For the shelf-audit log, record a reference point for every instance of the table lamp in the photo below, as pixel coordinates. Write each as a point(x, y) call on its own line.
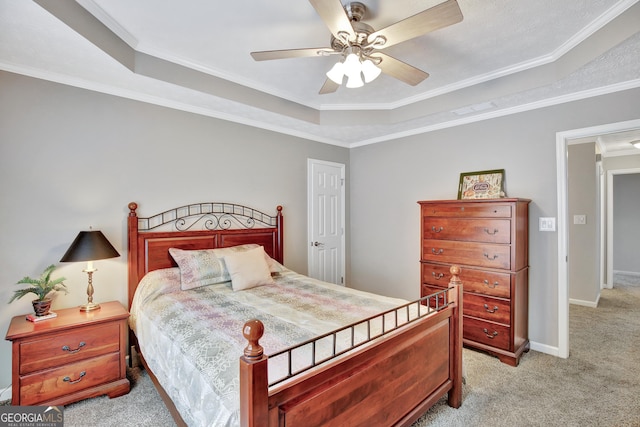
point(90, 246)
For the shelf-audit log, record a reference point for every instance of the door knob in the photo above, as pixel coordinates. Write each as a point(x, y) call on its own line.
point(318, 244)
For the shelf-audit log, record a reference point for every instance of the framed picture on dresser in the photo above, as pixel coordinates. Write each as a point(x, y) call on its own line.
point(487, 184)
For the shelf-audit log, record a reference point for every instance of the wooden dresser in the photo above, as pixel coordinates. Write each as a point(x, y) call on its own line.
point(489, 240)
point(74, 356)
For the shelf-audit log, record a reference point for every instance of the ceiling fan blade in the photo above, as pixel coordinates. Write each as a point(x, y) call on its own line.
point(329, 86)
point(334, 16)
point(267, 55)
point(440, 16)
point(400, 70)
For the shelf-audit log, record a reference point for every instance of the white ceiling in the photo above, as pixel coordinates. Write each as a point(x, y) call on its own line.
point(505, 56)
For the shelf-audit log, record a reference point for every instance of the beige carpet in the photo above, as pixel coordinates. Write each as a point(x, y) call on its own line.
point(598, 385)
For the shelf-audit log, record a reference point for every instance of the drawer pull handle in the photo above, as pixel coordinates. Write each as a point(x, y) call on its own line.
point(490, 258)
point(438, 252)
point(492, 286)
point(67, 348)
point(495, 231)
point(437, 276)
point(495, 308)
point(70, 381)
point(492, 336)
point(436, 230)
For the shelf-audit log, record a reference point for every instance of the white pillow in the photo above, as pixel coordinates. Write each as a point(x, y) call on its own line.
point(248, 269)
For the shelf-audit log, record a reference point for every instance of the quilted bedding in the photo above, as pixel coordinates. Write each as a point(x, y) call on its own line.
point(192, 339)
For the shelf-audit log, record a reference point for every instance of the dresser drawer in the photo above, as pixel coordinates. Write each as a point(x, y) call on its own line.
point(66, 347)
point(472, 230)
point(492, 334)
point(477, 254)
point(492, 309)
point(473, 280)
point(50, 384)
point(467, 210)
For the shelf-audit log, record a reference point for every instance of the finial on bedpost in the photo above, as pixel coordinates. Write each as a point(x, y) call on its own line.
point(132, 208)
point(252, 331)
point(455, 275)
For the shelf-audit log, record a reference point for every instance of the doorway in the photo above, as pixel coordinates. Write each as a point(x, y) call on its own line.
point(326, 218)
point(562, 142)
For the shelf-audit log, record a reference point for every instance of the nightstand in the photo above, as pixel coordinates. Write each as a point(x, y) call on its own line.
point(74, 356)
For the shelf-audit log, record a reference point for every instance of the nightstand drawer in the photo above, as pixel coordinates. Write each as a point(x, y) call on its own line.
point(50, 384)
point(488, 333)
point(471, 230)
point(77, 344)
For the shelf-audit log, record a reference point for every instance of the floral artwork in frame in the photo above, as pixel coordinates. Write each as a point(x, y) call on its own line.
point(481, 185)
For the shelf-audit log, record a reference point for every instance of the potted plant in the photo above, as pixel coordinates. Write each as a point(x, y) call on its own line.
point(42, 287)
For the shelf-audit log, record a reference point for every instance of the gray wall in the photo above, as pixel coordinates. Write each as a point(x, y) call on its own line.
point(387, 179)
point(584, 241)
point(72, 158)
point(626, 223)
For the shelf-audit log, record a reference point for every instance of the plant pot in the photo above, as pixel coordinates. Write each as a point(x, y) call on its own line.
point(41, 308)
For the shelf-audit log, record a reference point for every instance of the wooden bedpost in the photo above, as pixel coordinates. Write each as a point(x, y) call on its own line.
point(280, 243)
point(254, 385)
point(132, 233)
point(455, 363)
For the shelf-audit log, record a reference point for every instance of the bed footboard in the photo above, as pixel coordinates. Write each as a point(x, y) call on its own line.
point(392, 380)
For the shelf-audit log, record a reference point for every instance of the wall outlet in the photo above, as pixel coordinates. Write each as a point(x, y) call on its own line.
point(580, 219)
point(547, 224)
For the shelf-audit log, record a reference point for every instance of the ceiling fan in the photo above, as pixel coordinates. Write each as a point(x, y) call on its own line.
point(361, 45)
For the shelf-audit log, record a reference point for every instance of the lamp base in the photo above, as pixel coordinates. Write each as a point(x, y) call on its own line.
point(90, 306)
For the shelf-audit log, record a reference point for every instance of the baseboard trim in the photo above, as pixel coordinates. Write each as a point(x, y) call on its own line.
point(626, 273)
point(592, 304)
point(544, 348)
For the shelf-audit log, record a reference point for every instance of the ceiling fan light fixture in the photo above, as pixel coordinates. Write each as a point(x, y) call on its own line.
point(636, 144)
point(336, 73)
point(370, 71)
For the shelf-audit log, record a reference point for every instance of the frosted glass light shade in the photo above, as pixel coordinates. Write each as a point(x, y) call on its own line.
point(370, 70)
point(352, 65)
point(336, 73)
point(354, 81)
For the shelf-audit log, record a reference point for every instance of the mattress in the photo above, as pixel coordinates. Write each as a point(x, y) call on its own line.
point(192, 339)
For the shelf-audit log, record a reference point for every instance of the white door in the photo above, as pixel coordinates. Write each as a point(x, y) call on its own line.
point(326, 212)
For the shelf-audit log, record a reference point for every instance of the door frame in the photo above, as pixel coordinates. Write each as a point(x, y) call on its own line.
point(610, 175)
point(342, 214)
point(562, 142)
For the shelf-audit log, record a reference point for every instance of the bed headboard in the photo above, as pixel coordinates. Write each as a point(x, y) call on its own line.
point(197, 226)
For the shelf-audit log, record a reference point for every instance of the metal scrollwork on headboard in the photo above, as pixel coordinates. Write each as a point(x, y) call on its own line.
point(208, 216)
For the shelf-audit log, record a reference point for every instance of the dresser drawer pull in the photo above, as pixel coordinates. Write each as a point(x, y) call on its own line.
point(82, 374)
point(67, 348)
point(436, 230)
point(495, 231)
point(492, 336)
point(437, 276)
point(489, 285)
point(438, 252)
point(486, 255)
point(495, 308)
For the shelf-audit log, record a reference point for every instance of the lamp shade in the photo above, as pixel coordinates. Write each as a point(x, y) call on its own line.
point(89, 246)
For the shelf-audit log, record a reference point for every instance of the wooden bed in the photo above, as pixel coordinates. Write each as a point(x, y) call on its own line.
point(391, 380)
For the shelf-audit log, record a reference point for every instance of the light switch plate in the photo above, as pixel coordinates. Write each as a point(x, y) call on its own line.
point(580, 219)
point(547, 224)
